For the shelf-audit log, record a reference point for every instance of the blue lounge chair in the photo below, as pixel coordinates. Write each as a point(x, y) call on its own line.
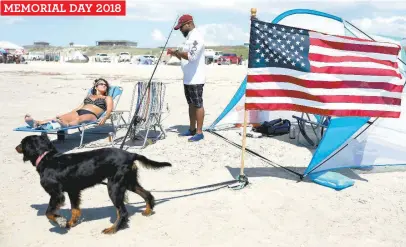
point(115, 92)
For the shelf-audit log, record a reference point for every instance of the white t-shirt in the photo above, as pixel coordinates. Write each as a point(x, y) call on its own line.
point(194, 69)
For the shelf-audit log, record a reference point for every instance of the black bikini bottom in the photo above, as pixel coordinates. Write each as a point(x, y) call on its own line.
point(83, 112)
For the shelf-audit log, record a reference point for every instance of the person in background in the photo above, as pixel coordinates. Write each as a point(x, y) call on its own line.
point(194, 74)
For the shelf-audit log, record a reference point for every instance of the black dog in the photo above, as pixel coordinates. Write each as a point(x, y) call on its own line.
point(74, 172)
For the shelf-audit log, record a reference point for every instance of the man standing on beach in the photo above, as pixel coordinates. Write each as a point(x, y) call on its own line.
point(194, 74)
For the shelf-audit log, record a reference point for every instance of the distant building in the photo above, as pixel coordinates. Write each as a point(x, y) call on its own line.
point(71, 44)
point(116, 43)
point(41, 44)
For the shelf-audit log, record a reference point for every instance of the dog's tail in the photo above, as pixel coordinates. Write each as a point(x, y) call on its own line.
point(149, 163)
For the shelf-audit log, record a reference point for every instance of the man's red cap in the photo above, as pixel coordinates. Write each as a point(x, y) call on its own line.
point(182, 20)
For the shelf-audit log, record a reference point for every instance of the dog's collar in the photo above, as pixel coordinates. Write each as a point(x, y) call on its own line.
point(40, 158)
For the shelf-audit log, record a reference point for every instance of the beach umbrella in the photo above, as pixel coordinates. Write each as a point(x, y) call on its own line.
point(9, 45)
point(19, 52)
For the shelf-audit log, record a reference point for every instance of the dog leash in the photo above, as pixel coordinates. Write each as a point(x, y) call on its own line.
point(220, 185)
point(198, 188)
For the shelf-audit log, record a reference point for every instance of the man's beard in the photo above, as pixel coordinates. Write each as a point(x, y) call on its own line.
point(185, 33)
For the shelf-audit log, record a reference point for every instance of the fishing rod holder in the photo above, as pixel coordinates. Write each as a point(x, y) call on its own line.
point(147, 108)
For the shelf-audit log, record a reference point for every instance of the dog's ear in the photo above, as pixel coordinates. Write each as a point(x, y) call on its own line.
point(45, 137)
point(50, 146)
point(46, 140)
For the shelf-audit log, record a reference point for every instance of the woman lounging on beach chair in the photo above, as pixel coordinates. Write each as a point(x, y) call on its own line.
point(94, 105)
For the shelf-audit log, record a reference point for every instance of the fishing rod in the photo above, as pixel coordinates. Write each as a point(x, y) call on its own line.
point(134, 119)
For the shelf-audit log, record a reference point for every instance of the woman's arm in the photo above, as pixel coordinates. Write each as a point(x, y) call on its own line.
point(110, 103)
point(79, 107)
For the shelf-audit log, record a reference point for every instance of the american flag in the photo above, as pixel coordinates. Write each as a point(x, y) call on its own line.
point(301, 70)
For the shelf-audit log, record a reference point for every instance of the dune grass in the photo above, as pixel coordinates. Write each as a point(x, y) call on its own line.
point(93, 50)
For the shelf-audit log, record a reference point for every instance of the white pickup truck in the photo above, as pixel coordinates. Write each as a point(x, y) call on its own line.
point(124, 57)
point(102, 58)
point(36, 56)
point(212, 55)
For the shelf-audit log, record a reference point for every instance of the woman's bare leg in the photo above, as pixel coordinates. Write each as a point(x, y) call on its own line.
point(63, 120)
point(76, 120)
point(34, 123)
point(81, 119)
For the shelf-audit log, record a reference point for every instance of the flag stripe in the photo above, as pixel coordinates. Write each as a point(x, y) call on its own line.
point(323, 98)
point(325, 112)
point(323, 77)
point(354, 65)
point(253, 79)
point(320, 105)
point(322, 91)
point(337, 59)
point(354, 47)
point(340, 53)
point(350, 40)
point(354, 71)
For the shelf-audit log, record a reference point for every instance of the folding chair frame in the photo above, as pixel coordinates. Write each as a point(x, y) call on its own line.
point(317, 128)
point(152, 118)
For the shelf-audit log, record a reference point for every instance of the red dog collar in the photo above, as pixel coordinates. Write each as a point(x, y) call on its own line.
point(40, 158)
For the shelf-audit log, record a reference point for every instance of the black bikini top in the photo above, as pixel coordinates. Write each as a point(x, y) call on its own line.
point(97, 102)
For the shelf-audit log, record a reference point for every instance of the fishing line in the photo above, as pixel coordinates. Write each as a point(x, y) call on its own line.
point(134, 119)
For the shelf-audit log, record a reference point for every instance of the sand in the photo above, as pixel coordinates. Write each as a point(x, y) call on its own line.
point(274, 210)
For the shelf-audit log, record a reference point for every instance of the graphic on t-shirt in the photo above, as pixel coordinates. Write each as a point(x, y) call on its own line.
point(194, 48)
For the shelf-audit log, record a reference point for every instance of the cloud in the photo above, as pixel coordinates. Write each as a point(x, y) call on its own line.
point(215, 35)
point(157, 35)
point(166, 10)
point(389, 5)
point(372, 16)
point(11, 20)
point(392, 26)
point(223, 34)
point(148, 11)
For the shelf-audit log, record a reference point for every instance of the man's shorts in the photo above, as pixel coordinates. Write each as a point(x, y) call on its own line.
point(194, 94)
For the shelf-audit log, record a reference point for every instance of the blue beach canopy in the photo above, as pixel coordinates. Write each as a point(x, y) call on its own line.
point(349, 142)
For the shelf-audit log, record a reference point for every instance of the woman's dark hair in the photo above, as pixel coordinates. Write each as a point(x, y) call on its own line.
point(95, 85)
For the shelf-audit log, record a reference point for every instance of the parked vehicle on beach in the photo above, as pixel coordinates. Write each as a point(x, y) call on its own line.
point(217, 55)
point(145, 59)
point(102, 58)
point(36, 56)
point(124, 57)
point(209, 55)
point(228, 58)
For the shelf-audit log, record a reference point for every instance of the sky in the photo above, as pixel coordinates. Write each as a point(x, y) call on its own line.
point(222, 22)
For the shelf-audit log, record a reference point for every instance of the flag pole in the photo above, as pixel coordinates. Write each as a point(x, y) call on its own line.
point(242, 179)
point(244, 137)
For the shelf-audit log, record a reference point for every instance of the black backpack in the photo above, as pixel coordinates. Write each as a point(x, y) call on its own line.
point(275, 127)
